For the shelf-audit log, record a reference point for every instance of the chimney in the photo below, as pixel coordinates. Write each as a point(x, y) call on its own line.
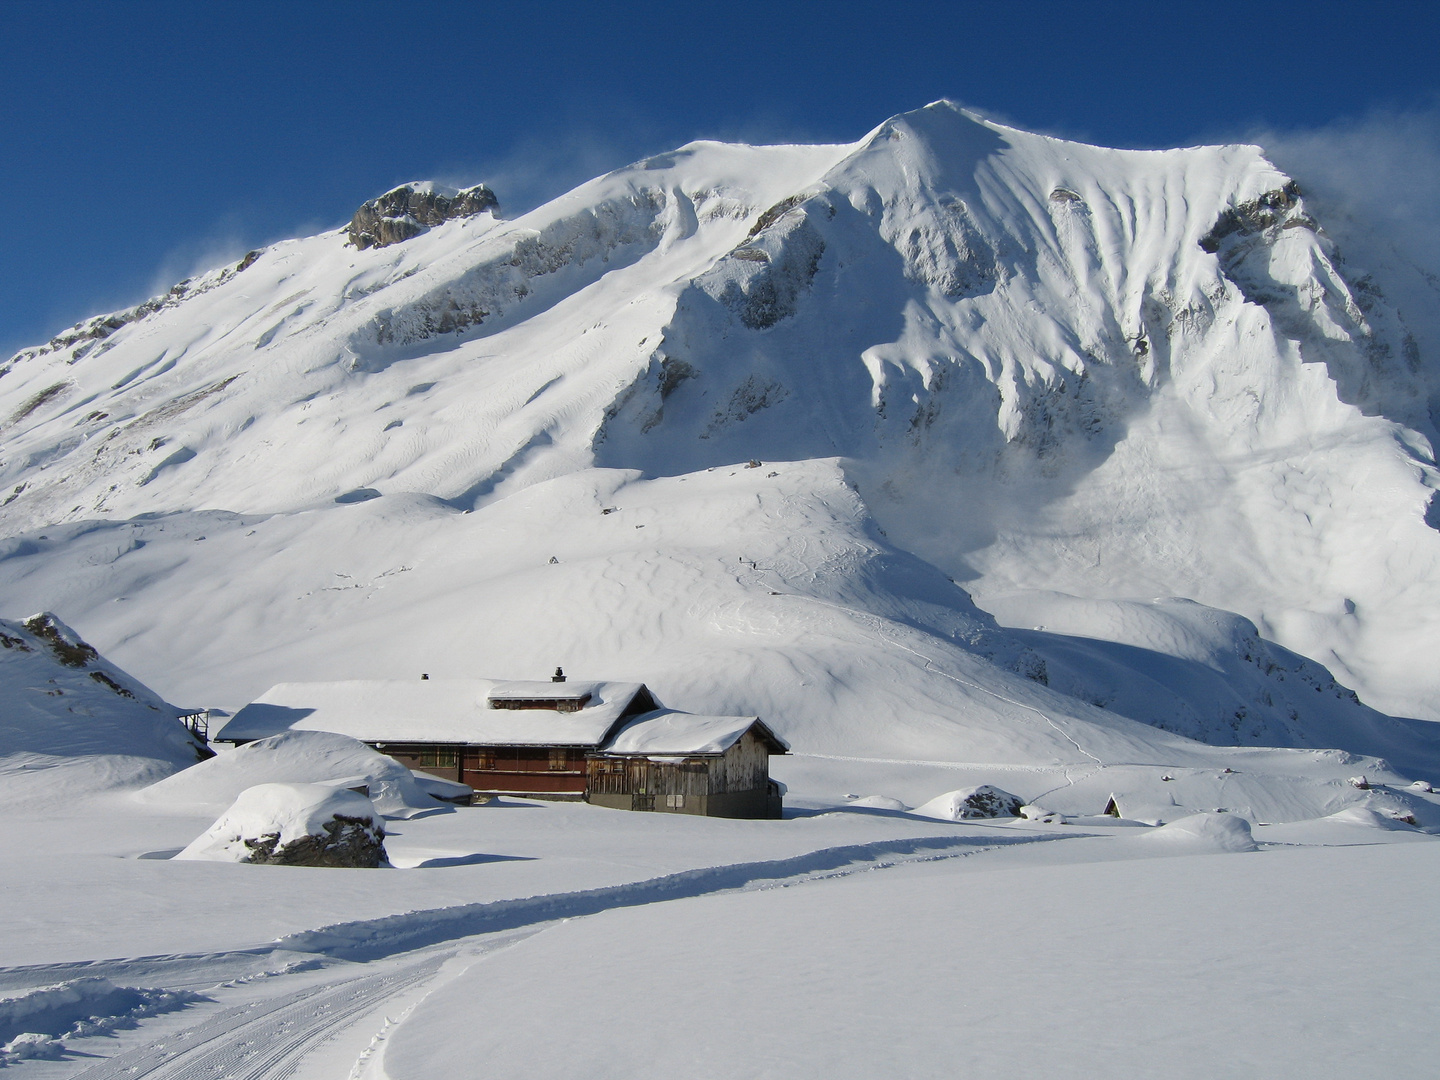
point(424, 677)
point(559, 675)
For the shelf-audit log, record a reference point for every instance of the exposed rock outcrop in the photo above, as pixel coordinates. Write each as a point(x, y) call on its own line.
point(985, 801)
point(762, 280)
point(295, 825)
point(410, 209)
point(343, 841)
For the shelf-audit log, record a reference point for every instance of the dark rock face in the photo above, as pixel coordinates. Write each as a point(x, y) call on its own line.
point(346, 841)
point(408, 211)
point(990, 802)
point(1270, 211)
point(68, 648)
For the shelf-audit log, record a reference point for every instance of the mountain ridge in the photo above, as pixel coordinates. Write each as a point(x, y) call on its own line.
point(1018, 352)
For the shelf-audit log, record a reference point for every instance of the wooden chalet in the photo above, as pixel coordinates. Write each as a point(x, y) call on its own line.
point(609, 743)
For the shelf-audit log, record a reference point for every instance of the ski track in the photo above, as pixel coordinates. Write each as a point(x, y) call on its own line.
point(268, 1038)
point(263, 1038)
point(372, 939)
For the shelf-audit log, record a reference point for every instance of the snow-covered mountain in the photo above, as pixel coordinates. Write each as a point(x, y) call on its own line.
point(753, 424)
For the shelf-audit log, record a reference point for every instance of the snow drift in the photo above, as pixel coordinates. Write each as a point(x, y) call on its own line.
point(81, 1007)
point(1218, 833)
point(296, 757)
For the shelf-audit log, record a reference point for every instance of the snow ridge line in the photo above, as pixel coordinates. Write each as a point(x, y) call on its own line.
point(373, 939)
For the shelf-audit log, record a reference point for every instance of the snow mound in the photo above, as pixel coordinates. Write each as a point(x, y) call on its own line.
point(295, 825)
point(984, 801)
point(80, 1007)
point(879, 802)
point(1204, 833)
point(450, 791)
point(64, 704)
point(1039, 813)
point(1366, 818)
point(296, 757)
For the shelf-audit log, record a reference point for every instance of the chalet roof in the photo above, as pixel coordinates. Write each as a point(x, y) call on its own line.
point(665, 733)
point(542, 691)
point(430, 711)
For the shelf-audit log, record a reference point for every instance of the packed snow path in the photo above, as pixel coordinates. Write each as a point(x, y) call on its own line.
point(264, 1038)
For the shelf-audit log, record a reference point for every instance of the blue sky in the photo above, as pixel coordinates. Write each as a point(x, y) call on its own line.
point(141, 141)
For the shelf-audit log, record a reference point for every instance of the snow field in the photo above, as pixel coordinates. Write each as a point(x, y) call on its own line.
point(1284, 963)
point(517, 873)
point(745, 593)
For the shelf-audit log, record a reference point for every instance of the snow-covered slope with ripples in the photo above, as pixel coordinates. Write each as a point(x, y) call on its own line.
point(1070, 379)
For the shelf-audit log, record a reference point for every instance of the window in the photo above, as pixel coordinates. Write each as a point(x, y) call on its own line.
point(559, 760)
point(675, 802)
point(435, 758)
point(486, 762)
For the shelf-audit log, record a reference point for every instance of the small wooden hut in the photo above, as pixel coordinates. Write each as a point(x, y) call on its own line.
point(680, 763)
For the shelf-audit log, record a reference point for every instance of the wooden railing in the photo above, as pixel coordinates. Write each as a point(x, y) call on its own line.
point(197, 723)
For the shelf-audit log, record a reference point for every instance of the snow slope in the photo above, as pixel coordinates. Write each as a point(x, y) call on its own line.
point(1056, 374)
point(71, 722)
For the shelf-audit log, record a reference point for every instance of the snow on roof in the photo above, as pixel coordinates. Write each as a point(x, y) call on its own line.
point(428, 711)
point(543, 691)
point(666, 733)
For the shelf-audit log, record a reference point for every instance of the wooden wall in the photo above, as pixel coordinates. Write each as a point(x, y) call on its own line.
point(433, 758)
point(745, 767)
point(541, 769)
point(726, 784)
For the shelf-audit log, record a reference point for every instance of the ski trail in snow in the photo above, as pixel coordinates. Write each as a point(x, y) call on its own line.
point(370, 939)
point(262, 1038)
point(390, 935)
point(930, 666)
